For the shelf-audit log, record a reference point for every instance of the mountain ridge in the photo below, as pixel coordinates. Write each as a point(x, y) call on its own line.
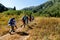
point(3, 8)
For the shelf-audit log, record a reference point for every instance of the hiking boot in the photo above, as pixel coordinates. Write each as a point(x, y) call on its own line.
point(13, 31)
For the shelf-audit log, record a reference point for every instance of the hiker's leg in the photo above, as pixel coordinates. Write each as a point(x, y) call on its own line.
point(27, 21)
point(16, 26)
point(30, 19)
point(10, 30)
point(24, 23)
point(13, 29)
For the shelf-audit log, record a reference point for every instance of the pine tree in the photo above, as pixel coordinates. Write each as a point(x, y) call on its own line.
point(14, 8)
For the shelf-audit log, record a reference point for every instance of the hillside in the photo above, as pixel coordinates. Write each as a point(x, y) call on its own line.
point(49, 9)
point(40, 7)
point(3, 8)
point(42, 28)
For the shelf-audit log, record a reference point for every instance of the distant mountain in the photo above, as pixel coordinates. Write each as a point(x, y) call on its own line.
point(3, 8)
point(40, 7)
point(50, 8)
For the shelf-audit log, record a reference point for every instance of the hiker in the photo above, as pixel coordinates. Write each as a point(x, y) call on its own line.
point(12, 23)
point(25, 20)
point(31, 18)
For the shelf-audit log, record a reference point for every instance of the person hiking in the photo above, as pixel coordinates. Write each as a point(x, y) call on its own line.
point(12, 23)
point(31, 17)
point(25, 20)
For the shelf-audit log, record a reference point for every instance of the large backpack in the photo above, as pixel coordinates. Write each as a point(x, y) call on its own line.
point(24, 18)
point(32, 17)
point(11, 21)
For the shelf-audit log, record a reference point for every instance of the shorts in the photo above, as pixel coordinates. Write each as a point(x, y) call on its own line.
point(12, 24)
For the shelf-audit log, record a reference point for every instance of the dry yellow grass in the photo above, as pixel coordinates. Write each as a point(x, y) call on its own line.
point(43, 28)
point(4, 28)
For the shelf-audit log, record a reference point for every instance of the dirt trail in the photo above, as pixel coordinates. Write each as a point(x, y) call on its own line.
point(16, 36)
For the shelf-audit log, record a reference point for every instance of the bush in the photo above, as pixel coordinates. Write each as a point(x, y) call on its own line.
point(12, 12)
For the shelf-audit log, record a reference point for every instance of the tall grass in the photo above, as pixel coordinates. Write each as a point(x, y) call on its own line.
point(45, 29)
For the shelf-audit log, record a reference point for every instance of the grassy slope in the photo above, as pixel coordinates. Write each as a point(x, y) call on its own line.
point(44, 28)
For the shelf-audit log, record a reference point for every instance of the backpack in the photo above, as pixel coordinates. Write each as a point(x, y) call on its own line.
point(10, 21)
point(24, 18)
point(32, 17)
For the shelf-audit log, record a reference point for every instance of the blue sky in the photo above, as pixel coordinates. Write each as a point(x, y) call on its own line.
point(20, 4)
